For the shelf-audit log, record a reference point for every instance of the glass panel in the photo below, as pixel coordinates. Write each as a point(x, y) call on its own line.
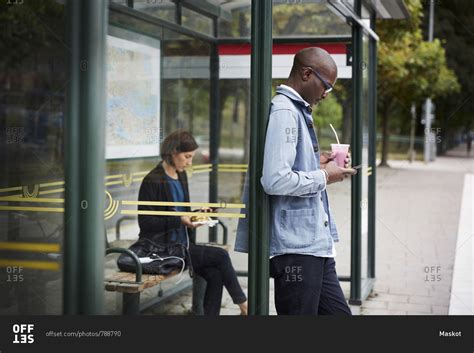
point(313, 19)
point(365, 151)
point(157, 82)
point(234, 152)
point(186, 106)
point(33, 82)
point(164, 9)
point(239, 27)
point(298, 18)
point(196, 21)
point(120, 2)
point(337, 110)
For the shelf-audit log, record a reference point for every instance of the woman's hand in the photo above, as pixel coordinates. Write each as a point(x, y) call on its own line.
point(206, 209)
point(186, 221)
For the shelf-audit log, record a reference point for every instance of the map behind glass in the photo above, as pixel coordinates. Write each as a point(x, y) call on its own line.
point(133, 99)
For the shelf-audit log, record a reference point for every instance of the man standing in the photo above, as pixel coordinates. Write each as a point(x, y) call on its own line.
point(295, 176)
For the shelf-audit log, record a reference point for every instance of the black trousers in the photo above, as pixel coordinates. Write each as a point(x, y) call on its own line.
point(214, 265)
point(307, 285)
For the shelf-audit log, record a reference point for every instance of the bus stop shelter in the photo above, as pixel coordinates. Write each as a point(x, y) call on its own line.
point(137, 70)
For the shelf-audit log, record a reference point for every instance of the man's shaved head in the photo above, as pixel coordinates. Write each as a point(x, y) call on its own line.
point(315, 57)
point(301, 78)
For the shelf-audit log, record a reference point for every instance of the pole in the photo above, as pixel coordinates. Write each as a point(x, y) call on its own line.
point(214, 131)
point(260, 96)
point(356, 146)
point(85, 152)
point(371, 255)
point(411, 151)
point(428, 103)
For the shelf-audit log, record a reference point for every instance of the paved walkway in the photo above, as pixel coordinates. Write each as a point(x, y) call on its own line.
point(418, 212)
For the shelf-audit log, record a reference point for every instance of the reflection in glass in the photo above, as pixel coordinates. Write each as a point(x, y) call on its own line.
point(312, 19)
point(196, 21)
point(33, 81)
point(164, 9)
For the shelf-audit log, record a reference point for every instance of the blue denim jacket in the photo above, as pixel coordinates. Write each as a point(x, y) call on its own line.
point(294, 182)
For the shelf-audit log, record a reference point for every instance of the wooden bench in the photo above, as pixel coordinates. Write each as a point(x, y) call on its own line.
point(131, 285)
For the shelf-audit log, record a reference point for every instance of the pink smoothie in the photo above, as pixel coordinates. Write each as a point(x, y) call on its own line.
point(341, 151)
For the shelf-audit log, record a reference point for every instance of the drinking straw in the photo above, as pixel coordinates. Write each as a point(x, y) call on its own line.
point(335, 133)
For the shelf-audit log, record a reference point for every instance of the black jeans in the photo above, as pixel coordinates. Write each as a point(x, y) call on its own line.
point(307, 285)
point(214, 265)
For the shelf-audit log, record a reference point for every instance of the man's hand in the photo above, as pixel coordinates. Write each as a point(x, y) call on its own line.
point(348, 161)
point(336, 173)
point(325, 157)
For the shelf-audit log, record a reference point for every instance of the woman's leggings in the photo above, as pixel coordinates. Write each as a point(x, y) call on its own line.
point(214, 265)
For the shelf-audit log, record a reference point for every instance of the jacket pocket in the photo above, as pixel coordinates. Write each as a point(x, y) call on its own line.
point(298, 228)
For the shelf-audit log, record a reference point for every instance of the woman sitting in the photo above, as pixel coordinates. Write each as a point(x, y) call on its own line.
point(168, 182)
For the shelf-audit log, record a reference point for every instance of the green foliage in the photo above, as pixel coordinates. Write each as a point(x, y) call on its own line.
point(454, 25)
point(328, 112)
point(410, 69)
point(19, 41)
point(306, 19)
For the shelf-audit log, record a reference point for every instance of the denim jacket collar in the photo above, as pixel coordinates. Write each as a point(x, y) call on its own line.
point(291, 93)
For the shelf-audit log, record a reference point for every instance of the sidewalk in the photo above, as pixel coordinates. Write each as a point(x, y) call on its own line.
point(418, 212)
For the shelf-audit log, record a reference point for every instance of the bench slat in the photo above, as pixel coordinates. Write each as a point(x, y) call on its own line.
point(115, 283)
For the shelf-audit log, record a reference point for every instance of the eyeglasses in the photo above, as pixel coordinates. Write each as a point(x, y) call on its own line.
point(328, 87)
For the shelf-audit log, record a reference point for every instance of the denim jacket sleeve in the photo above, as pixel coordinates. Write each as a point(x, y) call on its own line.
point(278, 176)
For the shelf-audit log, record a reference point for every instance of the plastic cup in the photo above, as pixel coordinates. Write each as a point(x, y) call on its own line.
point(341, 151)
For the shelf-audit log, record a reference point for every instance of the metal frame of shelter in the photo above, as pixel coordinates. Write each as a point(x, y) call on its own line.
point(85, 143)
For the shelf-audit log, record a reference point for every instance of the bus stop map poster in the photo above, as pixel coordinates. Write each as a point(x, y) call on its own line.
point(133, 95)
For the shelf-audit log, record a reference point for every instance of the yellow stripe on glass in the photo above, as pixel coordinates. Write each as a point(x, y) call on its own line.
point(171, 213)
point(34, 247)
point(37, 265)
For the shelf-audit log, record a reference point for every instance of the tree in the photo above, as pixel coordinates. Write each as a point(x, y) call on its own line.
point(409, 68)
point(454, 25)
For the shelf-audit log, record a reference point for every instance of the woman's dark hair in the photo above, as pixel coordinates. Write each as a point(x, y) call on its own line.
point(177, 142)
